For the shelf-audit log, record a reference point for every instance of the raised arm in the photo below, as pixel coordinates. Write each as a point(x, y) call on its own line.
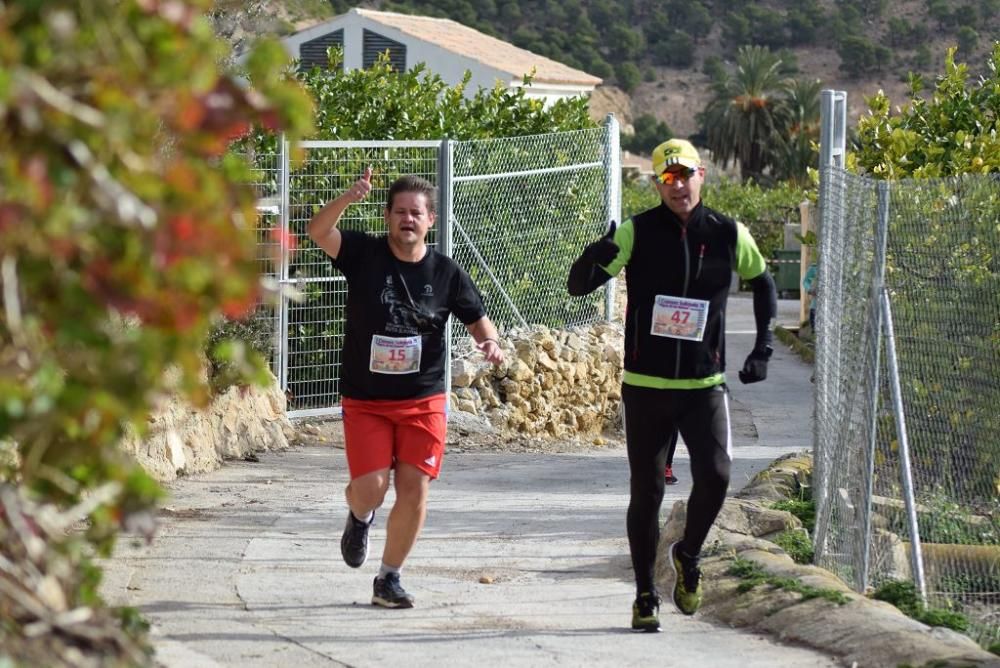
point(322, 228)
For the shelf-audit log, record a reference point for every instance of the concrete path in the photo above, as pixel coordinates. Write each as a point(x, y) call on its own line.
point(523, 561)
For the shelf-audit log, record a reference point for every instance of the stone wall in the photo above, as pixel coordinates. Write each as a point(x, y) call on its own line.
point(184, 440)
point(553, 383)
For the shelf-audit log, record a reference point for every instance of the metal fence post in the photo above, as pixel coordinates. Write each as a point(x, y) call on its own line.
point(833, 139)
point(282, 306)
point(906, 472)
point(881, 236)
point(446, 205)
point(613, 158)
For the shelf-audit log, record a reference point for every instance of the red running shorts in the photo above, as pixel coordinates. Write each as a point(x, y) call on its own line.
point(378, 433)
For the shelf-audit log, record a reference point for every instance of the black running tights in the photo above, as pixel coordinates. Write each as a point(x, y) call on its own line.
point(702, 417)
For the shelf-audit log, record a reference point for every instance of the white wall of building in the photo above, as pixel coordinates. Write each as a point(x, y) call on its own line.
point(451, 67)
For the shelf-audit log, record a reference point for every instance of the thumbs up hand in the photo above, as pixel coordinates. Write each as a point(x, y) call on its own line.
point(361, 187)
point(604, 250)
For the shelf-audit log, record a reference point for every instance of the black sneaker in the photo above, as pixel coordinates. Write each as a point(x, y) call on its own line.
point(388, 593)
point(669, 477)
point(646, 613)
point(354, 542)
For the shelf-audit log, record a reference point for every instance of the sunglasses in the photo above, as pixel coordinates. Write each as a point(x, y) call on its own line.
point(668, 178)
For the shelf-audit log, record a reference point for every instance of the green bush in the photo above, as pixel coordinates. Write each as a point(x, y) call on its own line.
point(954, 130)
point(943, 236)
point(904, 596)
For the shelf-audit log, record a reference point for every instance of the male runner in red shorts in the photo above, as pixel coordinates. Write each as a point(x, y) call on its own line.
point(400, 295)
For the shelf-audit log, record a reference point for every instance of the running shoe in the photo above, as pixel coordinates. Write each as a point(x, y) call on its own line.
point(354, 542)
point(687, 580)
point(669, 476)
point(646, 613)
point(387, 592)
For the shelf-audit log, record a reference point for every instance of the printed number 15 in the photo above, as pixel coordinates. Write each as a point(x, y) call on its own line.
point(397, 355)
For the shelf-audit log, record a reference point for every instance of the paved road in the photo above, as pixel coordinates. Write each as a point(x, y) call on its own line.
point(523, 561)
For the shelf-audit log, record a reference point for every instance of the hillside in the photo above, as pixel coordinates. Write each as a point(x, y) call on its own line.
point(658, 53)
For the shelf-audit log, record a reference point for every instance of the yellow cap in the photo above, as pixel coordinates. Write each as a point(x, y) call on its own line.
point(675, 152)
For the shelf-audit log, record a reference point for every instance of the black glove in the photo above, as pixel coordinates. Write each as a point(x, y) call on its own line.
point(755, 368)
point(604, 250)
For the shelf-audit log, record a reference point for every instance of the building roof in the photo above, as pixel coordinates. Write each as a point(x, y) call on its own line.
point(478, 46)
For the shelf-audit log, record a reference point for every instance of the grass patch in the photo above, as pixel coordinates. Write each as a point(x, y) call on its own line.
point(801, 348)
point(804, 509)
point(797, 544)
point(753, 575)
point(904, 596)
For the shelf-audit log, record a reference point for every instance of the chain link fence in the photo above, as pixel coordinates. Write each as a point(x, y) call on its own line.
point(908, 389)
point(522, 210)
point(513, 212)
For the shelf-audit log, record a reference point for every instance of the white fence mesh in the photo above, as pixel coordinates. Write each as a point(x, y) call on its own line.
point(933, 248)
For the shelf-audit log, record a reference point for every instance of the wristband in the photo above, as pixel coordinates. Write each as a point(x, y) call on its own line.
point(493, 340)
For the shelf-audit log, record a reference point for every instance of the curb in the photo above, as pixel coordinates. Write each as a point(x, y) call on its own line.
point(858, 630)
point(804, 351)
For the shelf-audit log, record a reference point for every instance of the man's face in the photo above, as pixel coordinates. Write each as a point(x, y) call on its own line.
point(409, 218)
point(680, 189)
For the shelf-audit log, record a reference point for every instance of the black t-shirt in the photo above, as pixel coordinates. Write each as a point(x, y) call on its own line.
point(389, 304)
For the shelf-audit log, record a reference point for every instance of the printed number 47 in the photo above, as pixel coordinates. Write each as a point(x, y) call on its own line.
point(681, 317)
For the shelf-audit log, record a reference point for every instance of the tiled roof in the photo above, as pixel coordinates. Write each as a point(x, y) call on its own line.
point(482, 48)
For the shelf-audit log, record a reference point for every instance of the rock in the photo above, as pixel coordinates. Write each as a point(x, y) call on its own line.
point(463, 373)
point(547, 362)
point(466, 394)
point(546, 373)
point(519, 370)
point(183, 440)
point(526, 352)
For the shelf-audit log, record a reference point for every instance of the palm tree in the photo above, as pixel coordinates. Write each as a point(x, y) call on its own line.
point(740, 121)
point(797, 125)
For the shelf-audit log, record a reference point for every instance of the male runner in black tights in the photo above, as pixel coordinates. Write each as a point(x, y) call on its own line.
point(678, 259)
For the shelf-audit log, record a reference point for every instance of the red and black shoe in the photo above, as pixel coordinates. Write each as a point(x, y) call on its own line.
point(669, 477)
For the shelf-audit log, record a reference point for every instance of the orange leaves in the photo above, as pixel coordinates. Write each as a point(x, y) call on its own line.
point(182, 227)
point(237, 308)
point(181, 177)
point(189, 113)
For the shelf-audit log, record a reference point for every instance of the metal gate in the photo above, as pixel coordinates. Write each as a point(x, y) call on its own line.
point(504, 205)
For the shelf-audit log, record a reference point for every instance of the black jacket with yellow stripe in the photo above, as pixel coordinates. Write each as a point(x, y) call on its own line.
point(664, 256)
